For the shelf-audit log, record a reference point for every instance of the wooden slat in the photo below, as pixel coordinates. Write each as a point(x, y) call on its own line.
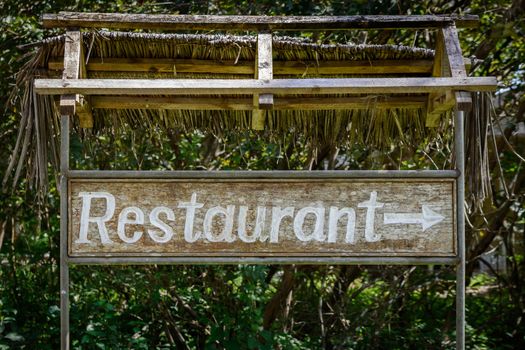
point(265, 66)
point(434, 99)
point(333, 103)
point(245, 103)
point(75, 68)
point(453, 55)
point(251, 23)
point(72, 59)
point(368, 67)
point(263, 71)
point(161, 65)
point(84, 112)
point(456, 65)
point(251, 86)
point(450, 64)
point(83, 107)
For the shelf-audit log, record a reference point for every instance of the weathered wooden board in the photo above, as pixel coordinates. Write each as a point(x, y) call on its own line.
point(247, 23)
point(255, 86)
point(262, 217)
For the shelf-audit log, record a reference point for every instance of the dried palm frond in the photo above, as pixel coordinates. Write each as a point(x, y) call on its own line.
point(38, 138)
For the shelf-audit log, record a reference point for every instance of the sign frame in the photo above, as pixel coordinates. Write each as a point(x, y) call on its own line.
point(458, 261)
point(272, 177)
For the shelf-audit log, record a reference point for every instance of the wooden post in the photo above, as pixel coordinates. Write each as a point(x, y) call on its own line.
point(263, 71)
point(448, 62)
point(72, 58)
point(75, 68)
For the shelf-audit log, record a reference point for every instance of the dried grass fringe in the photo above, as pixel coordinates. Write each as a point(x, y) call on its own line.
point(37, 144)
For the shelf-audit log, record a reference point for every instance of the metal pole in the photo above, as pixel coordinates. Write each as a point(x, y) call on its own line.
point(460, 268)
point(64, 265)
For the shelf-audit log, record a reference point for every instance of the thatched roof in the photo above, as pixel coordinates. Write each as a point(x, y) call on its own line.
point(375, 127)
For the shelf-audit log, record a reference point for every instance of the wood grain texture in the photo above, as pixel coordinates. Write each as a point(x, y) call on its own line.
point(246, 104)
point(72, 66)
point(305, 67)
point(254, 86)
point(253, 23)
point(392, 235)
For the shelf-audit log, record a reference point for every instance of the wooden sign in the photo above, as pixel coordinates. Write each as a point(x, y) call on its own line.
point(262, 217)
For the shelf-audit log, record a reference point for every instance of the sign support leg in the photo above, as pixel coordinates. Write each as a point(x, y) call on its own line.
point(460, 268)
point(64, 264)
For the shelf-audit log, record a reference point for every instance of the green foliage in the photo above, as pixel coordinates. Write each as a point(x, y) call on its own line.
point(216, 307)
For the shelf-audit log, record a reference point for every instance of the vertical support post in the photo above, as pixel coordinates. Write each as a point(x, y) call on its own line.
point(460, 268)
point(263, 71)
point(68, 104)
point(64, 264)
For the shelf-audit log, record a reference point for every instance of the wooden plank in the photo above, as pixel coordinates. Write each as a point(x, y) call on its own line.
point(371, 67)
point(246, 104)
point(456, 65)
point(265, 67)
point(449, 62)
point(170, 66)
point(173, 103)
point(84, 112)
point(262, 217)
point(251, 86)
point(250, 23)
point(83, 107)
point(71, 104)
point(162, 65)
point(338, 103)
point(452, 51)
point(263, 71)
point(72, 59)
point(437, 98)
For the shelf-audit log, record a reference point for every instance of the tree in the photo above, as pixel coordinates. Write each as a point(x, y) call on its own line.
point(270, 306)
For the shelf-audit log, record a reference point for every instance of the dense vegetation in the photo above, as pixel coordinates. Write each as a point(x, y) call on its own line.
point(268, 307)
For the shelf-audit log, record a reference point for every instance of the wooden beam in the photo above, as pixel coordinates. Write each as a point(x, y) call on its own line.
point(245, 103)
point(72, 64)
point(436, 99)
point(264, 72)
point(265, 66)
point(252, 86)
point(452, 51)
point(75, 68)
point(161, 65)
point(332, 103)
point(368, 67)
point(250, 23)
point(457, 66)
point(449, 62)
point(82, 106)
point(84, 112)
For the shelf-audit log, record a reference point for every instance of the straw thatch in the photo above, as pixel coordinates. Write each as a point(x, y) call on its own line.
point(38, 141)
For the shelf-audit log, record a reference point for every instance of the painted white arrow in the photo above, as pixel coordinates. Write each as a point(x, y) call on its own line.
point(427, 218)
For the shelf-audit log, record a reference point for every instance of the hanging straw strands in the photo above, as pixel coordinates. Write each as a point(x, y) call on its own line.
point(379, 127)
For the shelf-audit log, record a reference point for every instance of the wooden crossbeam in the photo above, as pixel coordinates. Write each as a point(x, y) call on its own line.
point(252, 86)
point(161, 65)
point(250, 23)
point(246, 103)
